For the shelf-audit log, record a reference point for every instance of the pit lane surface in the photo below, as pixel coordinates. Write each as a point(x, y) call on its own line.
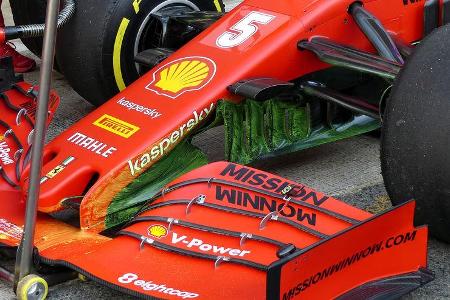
point(347, 169)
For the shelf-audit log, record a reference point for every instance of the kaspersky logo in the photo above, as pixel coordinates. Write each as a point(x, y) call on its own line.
point(182, 75)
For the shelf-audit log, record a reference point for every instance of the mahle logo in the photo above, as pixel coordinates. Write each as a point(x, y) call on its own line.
point(182, 75)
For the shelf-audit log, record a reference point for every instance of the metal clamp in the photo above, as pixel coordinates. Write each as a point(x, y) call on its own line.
point(145, 240)
point(219, 260)
point(171, 221)
point(164, 191)
point(30, 137)
point(8, 132)
point(32, 92)
point(270, 216)
point(19, 115)
point(275, 214)
point(200, 199)
point(244, 238)
point(18, 154)
point(210, 180)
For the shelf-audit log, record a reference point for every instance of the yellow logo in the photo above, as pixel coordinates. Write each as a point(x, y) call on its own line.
point(182, 75)
point(116, 126)
point(58, 169)
point(157, 231)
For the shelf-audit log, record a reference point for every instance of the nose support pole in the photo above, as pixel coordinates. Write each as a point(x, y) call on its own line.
point(24, 262)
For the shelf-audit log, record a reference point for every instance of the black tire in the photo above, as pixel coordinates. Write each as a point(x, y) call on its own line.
point(415, 144)
point(29, 12)
point(94, 56)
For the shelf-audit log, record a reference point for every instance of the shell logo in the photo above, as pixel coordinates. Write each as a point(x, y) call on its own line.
point(182, 75)
point(157, 231)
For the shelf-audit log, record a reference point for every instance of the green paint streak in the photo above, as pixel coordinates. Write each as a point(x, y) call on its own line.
point(179, 161)
point(253, 130)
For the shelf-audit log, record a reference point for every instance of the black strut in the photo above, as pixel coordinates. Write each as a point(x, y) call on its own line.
point(376, 33)
point(352, 103)
point(349, 58)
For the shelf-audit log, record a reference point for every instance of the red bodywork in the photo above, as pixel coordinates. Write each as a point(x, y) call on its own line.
point(337, 247)
point(270, 52)
point(128, 134)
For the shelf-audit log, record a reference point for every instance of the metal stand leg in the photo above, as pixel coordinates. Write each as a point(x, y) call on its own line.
point(24, 260)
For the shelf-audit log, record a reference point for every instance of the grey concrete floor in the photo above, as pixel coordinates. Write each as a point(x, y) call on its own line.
point(347, 169)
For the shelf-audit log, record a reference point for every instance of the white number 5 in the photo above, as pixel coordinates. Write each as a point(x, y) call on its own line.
point(246, 28)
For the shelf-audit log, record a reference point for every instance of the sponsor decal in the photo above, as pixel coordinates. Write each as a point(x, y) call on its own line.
point(138, 164)
point(92, 144)
point(150, 112)
point(31, 106)
point(157, 231)
point(131, 278)
point(5, 155)
point(243, 30)
point(116, 126)
point(347, 262)
point(58, 169)
point(182, 75)
point(9, 230)
point(200, 245)
point(276, 185)
point(246, 200)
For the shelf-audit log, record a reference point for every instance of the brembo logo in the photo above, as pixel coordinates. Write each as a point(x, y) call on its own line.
point(182, 75)
point(116, 126)
point(5, 152)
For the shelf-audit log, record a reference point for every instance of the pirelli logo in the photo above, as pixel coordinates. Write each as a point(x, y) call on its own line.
point(116, 126)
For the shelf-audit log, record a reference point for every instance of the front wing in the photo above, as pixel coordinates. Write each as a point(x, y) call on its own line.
point(229, 231)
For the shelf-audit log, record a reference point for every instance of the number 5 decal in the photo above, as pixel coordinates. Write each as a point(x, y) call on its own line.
point(245, 28)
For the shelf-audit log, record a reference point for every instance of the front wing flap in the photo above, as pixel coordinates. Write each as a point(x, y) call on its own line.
point(229, 231)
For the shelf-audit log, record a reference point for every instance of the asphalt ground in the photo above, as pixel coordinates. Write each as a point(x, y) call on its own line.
point(349, 170)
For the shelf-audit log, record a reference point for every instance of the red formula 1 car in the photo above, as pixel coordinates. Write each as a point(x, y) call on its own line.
point(155, 220)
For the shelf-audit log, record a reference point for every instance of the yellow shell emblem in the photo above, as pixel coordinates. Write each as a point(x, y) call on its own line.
point(157, 231)
point(182, 75)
